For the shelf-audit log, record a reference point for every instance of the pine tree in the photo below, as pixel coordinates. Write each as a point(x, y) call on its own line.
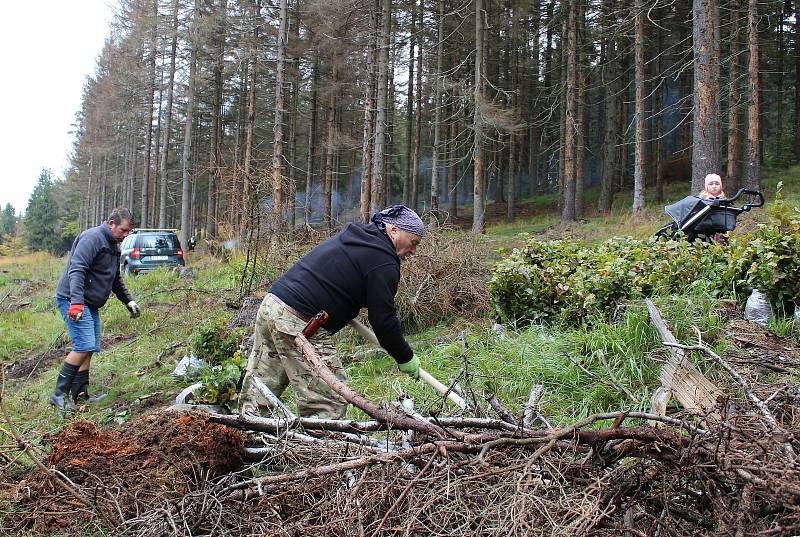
point(8, 222)
point(41, 227)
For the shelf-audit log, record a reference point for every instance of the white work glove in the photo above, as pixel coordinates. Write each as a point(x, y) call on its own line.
point(133, 307)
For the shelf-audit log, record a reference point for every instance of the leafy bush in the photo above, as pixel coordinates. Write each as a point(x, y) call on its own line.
point(219, 346)
point(773, 260)
point(574, 283)
point(221, 381)
point(214, 343)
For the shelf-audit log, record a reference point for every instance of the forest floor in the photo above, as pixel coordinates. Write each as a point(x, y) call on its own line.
point(145, 454)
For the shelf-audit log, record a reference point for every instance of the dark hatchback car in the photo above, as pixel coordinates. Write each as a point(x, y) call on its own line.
point(145, 250)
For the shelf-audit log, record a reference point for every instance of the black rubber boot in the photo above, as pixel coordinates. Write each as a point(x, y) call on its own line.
point(80, 389)
point(61, 396)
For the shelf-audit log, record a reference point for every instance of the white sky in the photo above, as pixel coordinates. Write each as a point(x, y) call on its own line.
point(48, 49)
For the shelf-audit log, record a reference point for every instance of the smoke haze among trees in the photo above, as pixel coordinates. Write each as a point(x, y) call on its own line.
point(218, 116)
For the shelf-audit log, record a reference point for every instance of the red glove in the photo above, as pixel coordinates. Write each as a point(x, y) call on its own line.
point(75, 312)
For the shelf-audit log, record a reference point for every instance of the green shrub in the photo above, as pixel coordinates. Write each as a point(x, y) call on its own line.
point(221, 381)
point(214, 343)
point(773, 262)
point(557, 281)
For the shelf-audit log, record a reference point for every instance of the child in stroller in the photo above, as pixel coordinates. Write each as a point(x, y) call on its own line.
point(700, 217)
point(712, 187)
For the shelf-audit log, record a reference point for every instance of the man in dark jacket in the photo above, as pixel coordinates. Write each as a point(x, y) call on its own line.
point(91, 274)
point(359, 267)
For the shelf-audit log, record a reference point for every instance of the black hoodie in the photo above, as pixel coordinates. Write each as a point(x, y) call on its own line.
point(356, 268)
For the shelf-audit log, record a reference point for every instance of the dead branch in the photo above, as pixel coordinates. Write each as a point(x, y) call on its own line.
point(693, 390)
point(762, 408)
point(399, 421)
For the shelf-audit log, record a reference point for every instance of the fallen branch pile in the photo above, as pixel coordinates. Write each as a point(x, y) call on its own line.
point(730, 471)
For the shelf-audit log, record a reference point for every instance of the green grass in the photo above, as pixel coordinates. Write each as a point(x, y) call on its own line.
point(583, 369)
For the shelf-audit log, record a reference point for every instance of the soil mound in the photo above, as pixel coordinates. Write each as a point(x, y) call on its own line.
point(155, 458)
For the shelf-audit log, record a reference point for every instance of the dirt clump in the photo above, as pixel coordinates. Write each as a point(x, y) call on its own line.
point(147, 461)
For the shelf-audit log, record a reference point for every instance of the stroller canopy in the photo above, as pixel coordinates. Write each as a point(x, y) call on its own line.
point(682, 210)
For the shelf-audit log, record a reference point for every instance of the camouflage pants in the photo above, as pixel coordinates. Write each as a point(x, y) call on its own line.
point(277, 362)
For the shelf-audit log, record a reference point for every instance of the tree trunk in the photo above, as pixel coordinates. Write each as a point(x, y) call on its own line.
point(368, 145)
point(148, 145)
point(452, 162)
point(638, 170)
point(437, 120)
point(417, 121)
point(753, 104)
point(215, 168)
point(312, 138)
point(162, 211)
point(705, 144)
point(534, 132)
point(580, 134)
point(409, 106)
point(330, 135)
point(248, 189)
point(797, 82)
point(511, 196)
point(609, 147)
point(277, 129)
point(380, 117)
point(568, 181)
point(478, 127)
point(733, 178)
point(186, 207)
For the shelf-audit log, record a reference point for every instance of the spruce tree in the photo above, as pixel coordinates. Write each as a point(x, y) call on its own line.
point(8, 222)
point(41, 224)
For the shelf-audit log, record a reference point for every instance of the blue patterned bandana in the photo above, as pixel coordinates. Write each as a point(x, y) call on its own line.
point(402, 217)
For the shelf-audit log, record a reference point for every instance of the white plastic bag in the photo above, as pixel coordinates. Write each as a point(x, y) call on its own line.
point(189, 366)
point(757, 309)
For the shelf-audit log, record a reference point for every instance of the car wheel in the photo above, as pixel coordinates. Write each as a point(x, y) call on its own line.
point(126, 271)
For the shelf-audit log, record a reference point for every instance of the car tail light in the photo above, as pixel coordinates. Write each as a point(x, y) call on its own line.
point(135, 254)
point(180, 253)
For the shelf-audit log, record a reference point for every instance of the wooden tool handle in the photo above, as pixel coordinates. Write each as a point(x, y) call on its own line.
point(369, 335)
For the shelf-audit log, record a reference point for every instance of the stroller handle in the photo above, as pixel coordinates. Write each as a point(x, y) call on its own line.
point(743, 191)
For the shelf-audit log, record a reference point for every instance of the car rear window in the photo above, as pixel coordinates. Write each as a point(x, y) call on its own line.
point(158, 241)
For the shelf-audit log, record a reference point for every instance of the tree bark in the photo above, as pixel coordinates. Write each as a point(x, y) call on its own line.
point(511, 195)
point(409, 106)
point(167, 124)
point(148, 145)
point(452, 162)
point(580, 133)
point(478, 127)
point(186, 206)
point(753, 104)
point(534, 132)
point(380, 117)
point(417, 122)
point(705, 144)
point(638, 173)
point(437, 120)
point(312, 138)
point(797, 82)
point(733, 178)
point(215, 168)
point(568, 180)
point(368, 145)
point(277, 129)
point(248, 188)
point(330, 135)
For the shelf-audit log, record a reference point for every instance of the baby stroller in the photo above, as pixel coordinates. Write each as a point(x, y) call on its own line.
point(699, 218)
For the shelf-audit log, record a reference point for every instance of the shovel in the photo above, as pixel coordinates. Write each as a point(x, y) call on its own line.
point(443, 390)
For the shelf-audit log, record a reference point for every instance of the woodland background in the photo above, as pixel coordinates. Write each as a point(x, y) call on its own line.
point(221, 117)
